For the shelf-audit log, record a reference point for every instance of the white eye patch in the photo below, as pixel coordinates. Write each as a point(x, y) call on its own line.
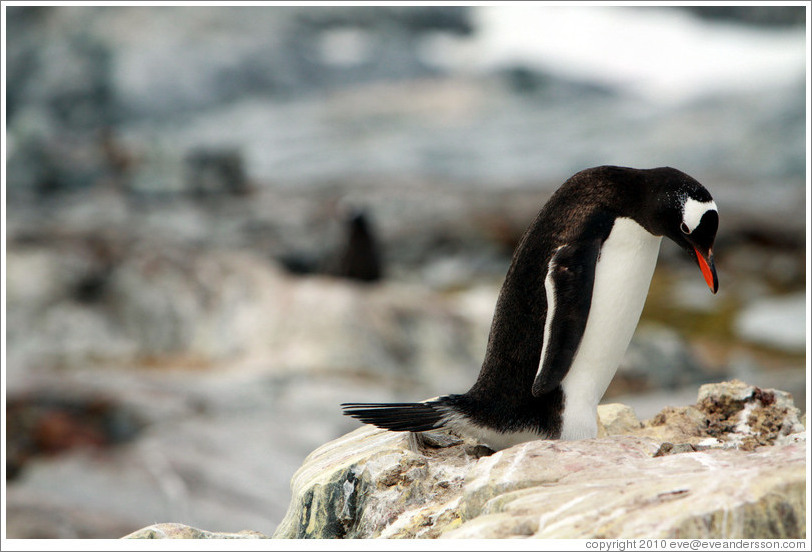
point(693, 211)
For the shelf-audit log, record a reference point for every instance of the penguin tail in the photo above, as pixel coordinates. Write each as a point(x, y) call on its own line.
point(422, 416)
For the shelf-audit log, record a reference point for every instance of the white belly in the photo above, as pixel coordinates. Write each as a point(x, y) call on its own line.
point(622, 278)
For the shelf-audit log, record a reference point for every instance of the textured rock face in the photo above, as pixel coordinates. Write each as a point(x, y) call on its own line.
point(700, 471)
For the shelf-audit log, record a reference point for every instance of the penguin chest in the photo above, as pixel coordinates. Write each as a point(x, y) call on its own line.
point(622, 278)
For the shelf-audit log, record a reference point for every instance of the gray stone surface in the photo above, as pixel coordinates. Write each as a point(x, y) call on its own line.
point(180, 531)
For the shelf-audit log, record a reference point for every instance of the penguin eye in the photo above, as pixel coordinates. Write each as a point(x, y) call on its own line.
point(684, 228)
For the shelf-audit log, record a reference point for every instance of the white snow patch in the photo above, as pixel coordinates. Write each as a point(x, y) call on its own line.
point(665, 55)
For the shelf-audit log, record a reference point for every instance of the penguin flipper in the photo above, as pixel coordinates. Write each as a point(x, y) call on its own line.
point(569, 282)
point(422, 416)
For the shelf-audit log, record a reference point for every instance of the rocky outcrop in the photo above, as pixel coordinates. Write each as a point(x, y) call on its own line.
point(728, 415)
point(730, 466)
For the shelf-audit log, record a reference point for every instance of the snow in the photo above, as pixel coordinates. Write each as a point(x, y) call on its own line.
point(661, 54)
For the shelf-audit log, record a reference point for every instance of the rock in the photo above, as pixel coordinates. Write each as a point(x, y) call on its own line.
point(766, 16)
point(172, 304)
point(614, 488)
point(38, 516)
point(215, 172)
point(337, 479)
point(671, 448)
point(175, 301)
point(373, 483)
point(731, 415)
point(180, 531)
point(776, 322)
point(525, 79)
point(616, 419)
point(44, 425)
point(258, 52)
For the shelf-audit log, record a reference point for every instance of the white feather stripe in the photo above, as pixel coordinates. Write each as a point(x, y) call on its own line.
point(549, 288)
point(693, 211)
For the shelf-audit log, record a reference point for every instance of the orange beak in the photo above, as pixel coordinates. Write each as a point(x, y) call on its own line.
point(708, 269)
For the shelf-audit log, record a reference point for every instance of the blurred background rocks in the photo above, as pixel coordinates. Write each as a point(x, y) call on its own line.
point(222, 222)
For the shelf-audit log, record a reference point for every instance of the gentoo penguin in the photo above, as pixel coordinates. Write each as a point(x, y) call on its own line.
point(360, 259)
point(568, 308)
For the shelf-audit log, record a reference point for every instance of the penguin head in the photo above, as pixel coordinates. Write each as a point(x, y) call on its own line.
point(687, 214)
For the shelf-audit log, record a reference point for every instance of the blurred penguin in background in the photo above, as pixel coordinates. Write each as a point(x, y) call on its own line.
point(360, 260)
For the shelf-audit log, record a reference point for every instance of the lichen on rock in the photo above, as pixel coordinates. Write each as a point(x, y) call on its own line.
point(360, 484)
point(731, 415)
